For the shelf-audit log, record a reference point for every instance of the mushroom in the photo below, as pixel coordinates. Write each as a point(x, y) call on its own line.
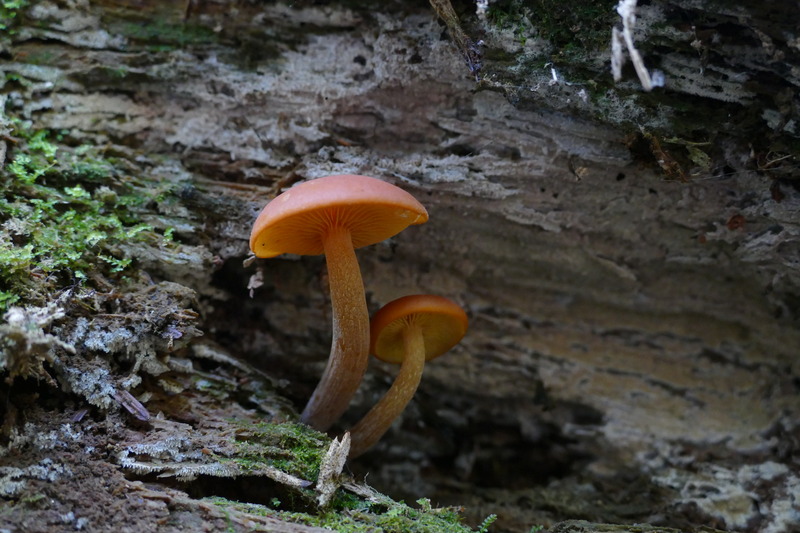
point(409, 331)
point(334, 215)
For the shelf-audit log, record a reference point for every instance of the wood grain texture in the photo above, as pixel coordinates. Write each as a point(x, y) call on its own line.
point(621, 325)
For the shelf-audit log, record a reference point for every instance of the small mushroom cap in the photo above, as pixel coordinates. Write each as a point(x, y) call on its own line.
point(442, 321)
point(296, 220)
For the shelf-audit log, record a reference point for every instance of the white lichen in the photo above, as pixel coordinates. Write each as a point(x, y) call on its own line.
point(94, 384)
point(732, 495)
point(24, 345)
point(13, 479)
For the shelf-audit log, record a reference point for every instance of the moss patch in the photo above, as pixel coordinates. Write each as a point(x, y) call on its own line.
point(378, 514)
point(64, 214)
point(576, 30)
point(161, 35)
point(9, 14)
point(295, 449)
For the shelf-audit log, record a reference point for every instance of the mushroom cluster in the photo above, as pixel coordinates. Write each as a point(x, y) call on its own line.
point(335, 215)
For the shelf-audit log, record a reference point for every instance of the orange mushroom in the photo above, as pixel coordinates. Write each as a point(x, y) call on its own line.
point(409, 331)
point(334, 215)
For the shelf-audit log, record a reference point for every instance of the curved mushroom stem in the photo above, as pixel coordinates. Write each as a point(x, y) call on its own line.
point(379, 419)
point(350, 345)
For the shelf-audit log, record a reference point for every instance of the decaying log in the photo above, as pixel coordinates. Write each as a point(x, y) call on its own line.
point(628, 258)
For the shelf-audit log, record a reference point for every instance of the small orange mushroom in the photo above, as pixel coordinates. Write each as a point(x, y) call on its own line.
point(334, 215)
point(410, 331)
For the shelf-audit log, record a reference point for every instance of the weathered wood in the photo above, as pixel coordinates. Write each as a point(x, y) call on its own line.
point(628, 259)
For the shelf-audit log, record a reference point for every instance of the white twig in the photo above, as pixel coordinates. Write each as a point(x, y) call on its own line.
point(627, 11)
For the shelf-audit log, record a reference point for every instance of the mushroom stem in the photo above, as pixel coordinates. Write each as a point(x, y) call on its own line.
point(379, 419)
point(350, 344)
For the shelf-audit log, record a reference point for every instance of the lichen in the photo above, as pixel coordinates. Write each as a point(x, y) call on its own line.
point(24, 345)
point(12, 479)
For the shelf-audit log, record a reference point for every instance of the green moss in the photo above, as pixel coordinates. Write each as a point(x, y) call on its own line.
point(58, 225)
point(511, 16)
point(384, 515)
point(292, 448)
point(160, 35)
point(9, 14)
point(577, 30)
point(297, 449)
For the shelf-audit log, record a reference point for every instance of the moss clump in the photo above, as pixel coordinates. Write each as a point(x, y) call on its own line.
point(513, 16)
point(378, 514)
point(576, 30)
point(64, 212)
point(295, 449)
point(396, 517)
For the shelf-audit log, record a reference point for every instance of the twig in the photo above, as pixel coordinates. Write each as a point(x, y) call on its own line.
point(330, 469)
point(627, 10)
point(469, 49)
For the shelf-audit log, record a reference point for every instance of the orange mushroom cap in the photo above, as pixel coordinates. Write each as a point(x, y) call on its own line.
point(442, 321)
point(372, 210)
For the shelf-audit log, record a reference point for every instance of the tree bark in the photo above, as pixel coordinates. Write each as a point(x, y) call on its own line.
point(628, 258)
